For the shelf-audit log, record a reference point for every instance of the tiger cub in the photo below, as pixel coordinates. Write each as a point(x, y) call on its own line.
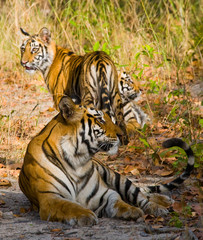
point(60, 179)
point(91, 78)
point(130, 92)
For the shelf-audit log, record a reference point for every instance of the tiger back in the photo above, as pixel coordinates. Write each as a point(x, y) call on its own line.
point(91, 78)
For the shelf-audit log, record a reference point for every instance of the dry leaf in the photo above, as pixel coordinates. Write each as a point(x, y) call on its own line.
point(163, 172)
point(159, 219)
point(5, 182)
point(194, 214)
point(56, 230)
point(135, 171)
point(148, 216)
point(189, 76)
point(50, 109)
point(127, 160)
point(198, 208)
point(156, 162)
point(2, 202)
point(23, 210)
point(178, 206)
point(128, 168)
point(17, 215)
point(21, 236)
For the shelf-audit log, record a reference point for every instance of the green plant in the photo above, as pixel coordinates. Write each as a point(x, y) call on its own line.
point(105, 47)
point(175, 220)
point(198, 151)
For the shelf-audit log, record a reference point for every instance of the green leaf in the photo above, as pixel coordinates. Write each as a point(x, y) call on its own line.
point(144, 142)
point(159, 65)
point(136, 147)
point(43, 89)
point(178, 149)
point(135, 76)
point(96, 46)
point(73, 23)
point(201, 123)
point(116, 47)
point(123, 65)
point(150, 49)
point(196, 165)
point(140, 73)
point(105, 49)
point(183, 102)
point(137, 55)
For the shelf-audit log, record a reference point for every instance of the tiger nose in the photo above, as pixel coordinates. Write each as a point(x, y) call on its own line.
point(23, 62)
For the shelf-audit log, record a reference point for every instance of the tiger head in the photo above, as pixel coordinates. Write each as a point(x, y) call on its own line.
point(129, 89)
point(37, 51)
point(93, 130)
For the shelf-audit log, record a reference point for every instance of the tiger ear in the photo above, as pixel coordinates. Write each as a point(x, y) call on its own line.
point(45, 35)
point(67, 107)
point(24, 32)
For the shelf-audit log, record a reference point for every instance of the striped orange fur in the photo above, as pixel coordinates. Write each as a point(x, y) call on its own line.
point(90, 79)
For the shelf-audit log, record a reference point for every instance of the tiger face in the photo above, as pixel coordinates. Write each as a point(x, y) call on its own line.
point(36, 52)
point(128, 88)
point(95, 130)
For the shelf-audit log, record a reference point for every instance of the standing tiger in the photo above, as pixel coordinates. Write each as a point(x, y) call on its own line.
point(60, 179)
point(91, 78)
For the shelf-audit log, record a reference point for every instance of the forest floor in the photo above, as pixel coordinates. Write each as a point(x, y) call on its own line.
point(26, 106)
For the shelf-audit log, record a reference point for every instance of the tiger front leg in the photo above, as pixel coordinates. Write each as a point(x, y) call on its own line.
point(52, 208)
point(116, 207)
point(150, 203)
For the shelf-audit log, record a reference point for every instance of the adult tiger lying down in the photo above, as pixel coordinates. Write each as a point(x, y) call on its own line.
point(60, 179)
point(91, 78)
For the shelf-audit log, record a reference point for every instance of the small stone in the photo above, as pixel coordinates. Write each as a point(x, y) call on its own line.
point(8, 215)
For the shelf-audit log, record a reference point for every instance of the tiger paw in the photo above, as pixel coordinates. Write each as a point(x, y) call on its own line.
point(160, 199)
point(127, 211)
point(67, 212)
point(158, 204)
point(155, 209)
point(85, 218)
